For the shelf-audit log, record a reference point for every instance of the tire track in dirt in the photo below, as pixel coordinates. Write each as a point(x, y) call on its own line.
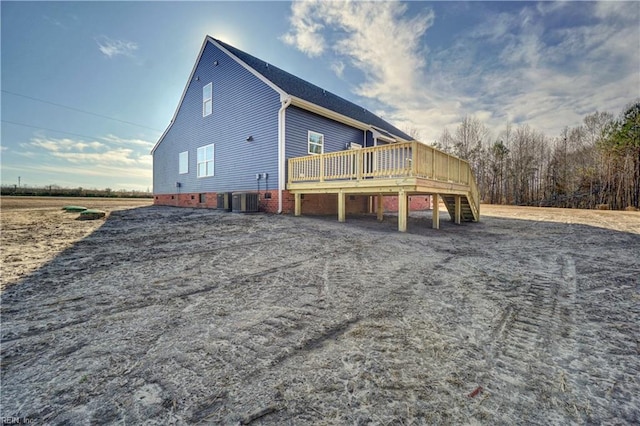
point(109, 312)
point(286, 339)
point(403, 331)
point(532, 337)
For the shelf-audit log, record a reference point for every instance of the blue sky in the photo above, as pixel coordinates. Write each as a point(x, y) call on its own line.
point(116, 70)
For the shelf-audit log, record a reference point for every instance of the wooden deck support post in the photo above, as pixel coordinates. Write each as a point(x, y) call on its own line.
point(380, 207)
point(458, 210)
point(342, 210)
point(435, 220)
point(298, 204)
point(403, 211)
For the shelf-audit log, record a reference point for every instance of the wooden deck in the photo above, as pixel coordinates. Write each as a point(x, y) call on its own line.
point(401, 169)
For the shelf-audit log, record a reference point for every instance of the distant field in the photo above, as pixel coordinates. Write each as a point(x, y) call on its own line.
point(609, 219)
point(36, 229)
point(163, 315)
point(12, 203)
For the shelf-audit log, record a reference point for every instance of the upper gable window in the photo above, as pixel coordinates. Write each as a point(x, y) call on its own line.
point(207, 99)
point(316, 142)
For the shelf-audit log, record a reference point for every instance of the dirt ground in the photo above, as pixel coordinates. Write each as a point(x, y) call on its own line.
point(184, 316)
point(36, 229)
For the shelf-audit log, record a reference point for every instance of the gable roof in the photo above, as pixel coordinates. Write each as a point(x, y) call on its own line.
point(302, 89)
point(288, 84)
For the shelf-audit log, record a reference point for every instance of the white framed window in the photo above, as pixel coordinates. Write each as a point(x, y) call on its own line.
point(183, 162)
point(207, 99)
point(315, 142)
point(205, 161)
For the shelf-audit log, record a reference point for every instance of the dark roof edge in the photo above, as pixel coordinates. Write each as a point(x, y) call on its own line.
point(184, 93)
point(317, 109)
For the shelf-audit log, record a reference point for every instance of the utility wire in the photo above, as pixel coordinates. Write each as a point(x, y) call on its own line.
point(51, 130)
point(78, 110)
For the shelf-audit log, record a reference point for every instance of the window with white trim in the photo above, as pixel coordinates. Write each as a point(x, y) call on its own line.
point(315, 142)
point(205, 161)
point(207, 99)
point(183, 162)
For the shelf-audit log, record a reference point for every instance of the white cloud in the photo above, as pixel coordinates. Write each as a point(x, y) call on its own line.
point(113, 156)
point(338, 68)
point(549, 7)
point(112, 151)
point(618, 10)
point(546, 65)
point(98, 161)
point(54, 21)
point(128, 142)
point(305, 35)
point(134, 174)
point(374, 37)
point(62, 145)
point(111, 47)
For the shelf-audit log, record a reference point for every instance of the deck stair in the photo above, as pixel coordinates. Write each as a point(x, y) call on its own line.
point(467, 208)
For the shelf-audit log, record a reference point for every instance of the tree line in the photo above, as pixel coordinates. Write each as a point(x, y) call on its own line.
point(593, 165)
point(57, 191)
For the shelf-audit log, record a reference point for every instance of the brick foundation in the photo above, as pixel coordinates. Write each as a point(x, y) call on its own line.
point(324, 204)
point(312, 204)
point(416, 203)
point(268, 200)
point(187, 200)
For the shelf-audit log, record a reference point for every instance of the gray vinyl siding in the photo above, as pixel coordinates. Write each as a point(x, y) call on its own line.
point(243, 106)
point(369, 142)
point(336, 135)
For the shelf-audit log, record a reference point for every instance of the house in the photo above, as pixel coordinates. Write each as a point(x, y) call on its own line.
point(243, 124)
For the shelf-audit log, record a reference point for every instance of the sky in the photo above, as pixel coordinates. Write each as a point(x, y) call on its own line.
point(89, 87)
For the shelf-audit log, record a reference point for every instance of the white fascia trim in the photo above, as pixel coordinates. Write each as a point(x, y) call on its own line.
point(378, 135)
point(325, 112)
point(376, 131)
point(282, 135)
point(184, 93)
point(253, 71)
point(193, 71)
point(306, 105)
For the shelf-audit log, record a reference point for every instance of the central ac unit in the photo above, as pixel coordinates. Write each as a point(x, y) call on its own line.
point(245, 202)
point(225, 200)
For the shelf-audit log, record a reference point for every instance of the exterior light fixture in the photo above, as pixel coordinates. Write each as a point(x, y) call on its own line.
point(249, 139)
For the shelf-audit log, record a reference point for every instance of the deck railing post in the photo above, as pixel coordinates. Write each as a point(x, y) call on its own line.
point(321, 159)
point(414, 158)
point(433, 164)
point(298, 204)
point(435, 218)
point(403, 211)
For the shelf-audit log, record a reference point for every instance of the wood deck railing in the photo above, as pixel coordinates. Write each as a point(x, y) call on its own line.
point(411, 159)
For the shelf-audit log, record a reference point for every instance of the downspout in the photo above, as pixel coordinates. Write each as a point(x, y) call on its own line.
point(281, 148)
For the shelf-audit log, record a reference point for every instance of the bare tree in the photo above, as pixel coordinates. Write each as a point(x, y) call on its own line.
point(595, 163)
point(414, 132)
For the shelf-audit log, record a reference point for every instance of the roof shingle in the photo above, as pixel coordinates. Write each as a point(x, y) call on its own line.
point(302, 89)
